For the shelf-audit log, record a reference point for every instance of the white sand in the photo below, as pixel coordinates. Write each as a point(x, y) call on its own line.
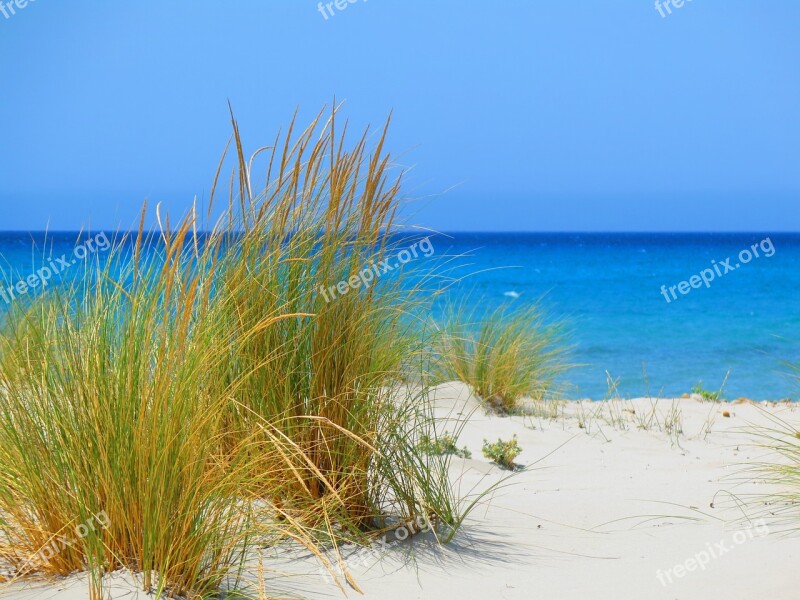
point(596, 515)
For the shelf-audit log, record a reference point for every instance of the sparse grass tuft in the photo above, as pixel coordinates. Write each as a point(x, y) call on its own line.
point(778, 471)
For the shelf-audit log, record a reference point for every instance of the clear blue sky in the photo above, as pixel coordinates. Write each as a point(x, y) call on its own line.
point(516, 115)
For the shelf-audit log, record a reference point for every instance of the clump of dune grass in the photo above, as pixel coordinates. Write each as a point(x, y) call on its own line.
point(509, 354)
point(324, 213)
point(202, 393)
point(113, 405)
point(108, 407)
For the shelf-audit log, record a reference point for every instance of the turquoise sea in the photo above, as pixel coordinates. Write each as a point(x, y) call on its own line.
point(607, 286)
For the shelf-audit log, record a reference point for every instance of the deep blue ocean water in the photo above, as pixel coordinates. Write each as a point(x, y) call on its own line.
point(607, 287)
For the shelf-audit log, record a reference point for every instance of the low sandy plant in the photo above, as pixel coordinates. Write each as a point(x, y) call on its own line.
point(503, 452)
point(648, 419)
point(615, 406)
point(510, 354)
point(444, 444)
point(673, 421)
point(715, 398)
point(707, 395)
point(591, 414)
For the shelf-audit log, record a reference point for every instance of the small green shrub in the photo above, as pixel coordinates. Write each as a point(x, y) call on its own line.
point(446, 444)
point(503, 453)
point(705, 394)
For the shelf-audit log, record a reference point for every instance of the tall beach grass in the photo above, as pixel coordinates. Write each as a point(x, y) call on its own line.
point(200, 393)
point(323, 215)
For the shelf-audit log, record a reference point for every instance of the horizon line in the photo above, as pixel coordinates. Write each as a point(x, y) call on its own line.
point(457, 231)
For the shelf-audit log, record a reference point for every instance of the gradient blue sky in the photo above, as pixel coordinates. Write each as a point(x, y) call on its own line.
point(515, 115)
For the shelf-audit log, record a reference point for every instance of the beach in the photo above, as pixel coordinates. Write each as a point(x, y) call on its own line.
point(602, 509)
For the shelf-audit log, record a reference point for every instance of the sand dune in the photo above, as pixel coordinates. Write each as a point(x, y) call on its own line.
point(605, 510)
